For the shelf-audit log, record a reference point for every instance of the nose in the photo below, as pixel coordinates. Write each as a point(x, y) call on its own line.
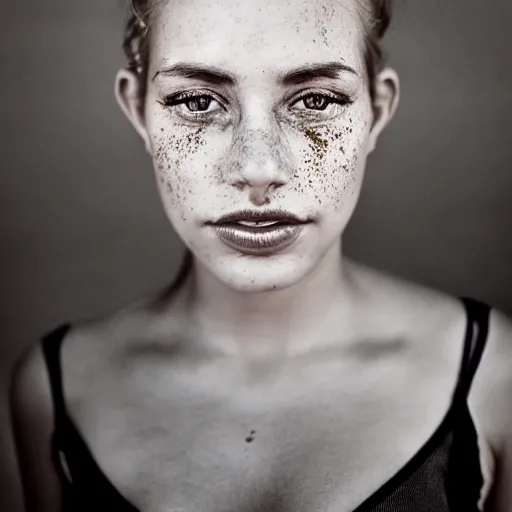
point(260, 162)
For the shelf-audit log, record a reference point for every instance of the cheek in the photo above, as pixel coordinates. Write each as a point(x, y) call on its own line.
point(332, 159)
point(174, 153)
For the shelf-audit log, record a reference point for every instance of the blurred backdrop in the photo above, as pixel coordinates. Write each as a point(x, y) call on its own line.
point(82, 231)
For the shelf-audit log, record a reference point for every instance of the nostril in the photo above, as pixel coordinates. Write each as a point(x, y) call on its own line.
point(240, 184)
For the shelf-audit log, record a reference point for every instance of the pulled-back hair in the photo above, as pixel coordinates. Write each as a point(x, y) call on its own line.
point(136, 38)
point(375, 17)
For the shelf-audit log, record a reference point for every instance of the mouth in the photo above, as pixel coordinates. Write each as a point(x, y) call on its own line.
point(259, 232)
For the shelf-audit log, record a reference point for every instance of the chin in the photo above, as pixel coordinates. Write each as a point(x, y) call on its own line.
point(256, 274)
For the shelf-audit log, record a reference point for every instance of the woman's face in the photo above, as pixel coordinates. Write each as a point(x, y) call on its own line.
point(282, 121)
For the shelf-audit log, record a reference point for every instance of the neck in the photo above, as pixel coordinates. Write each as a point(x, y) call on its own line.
point(295, 319)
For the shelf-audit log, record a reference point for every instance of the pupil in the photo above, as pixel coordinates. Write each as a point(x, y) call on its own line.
point(199, 104)
point(316, 101)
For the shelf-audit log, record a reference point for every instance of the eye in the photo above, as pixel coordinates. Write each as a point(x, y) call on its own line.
point(194, 105)
point(319, 101)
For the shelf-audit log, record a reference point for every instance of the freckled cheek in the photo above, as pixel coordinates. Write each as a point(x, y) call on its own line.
point(182, 160)
point(331, 161)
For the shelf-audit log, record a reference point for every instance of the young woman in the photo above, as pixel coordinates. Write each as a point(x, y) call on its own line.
point(275, 375)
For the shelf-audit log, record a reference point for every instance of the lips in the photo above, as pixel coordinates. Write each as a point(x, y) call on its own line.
point(259, 232)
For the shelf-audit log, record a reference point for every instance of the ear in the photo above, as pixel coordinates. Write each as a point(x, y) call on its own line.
point(387, 93)
point(127, 91)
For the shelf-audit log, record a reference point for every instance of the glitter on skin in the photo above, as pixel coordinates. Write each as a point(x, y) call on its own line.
point(315, 138)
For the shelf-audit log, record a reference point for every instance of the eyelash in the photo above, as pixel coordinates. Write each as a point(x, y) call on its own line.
point(185, 97)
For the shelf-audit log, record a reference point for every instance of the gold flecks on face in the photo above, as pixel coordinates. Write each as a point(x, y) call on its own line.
point(316, 138)
point(329, 166)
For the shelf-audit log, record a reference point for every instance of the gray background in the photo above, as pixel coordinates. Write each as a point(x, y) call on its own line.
point(82, 231)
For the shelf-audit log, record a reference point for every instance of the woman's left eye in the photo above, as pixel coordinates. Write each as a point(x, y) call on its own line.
point(199, 103)
point(319, 102)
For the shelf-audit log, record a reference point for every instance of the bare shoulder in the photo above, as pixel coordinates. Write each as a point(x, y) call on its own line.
point(491, 395)
point(32, 422)
point(86, 345)
point(30, 388)
point(490, 402)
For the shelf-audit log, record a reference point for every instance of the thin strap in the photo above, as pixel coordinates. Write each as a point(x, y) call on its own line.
point(51, 344)
point(477, 329)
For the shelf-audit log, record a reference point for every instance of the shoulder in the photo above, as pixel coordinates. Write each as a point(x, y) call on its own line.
point(29, 385)
point(87, 341)
point(490, 403)
point(491, 395)
point(30, 389)
point(32, 420)
point(97, 350)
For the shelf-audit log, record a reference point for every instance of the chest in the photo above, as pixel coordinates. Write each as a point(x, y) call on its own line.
point(318, 438)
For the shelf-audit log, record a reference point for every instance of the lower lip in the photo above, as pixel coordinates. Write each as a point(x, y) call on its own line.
point(258, 240)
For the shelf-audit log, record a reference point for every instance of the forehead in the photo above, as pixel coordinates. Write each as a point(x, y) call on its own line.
point(247, 35)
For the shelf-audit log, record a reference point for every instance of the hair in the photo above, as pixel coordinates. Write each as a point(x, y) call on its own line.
point(375, 18)
point(136, 39)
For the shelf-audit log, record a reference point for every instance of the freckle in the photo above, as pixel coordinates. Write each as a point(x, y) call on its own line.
point(249, 439)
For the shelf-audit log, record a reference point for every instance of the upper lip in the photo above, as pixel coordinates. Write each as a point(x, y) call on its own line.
point(260, 216)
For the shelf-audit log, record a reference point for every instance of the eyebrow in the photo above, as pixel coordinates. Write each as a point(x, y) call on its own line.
point(218, 76)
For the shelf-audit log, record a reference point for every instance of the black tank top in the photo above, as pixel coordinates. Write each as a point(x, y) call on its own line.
point(443, 476)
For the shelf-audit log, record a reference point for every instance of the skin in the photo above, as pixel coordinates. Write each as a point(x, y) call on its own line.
point(352, 397)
